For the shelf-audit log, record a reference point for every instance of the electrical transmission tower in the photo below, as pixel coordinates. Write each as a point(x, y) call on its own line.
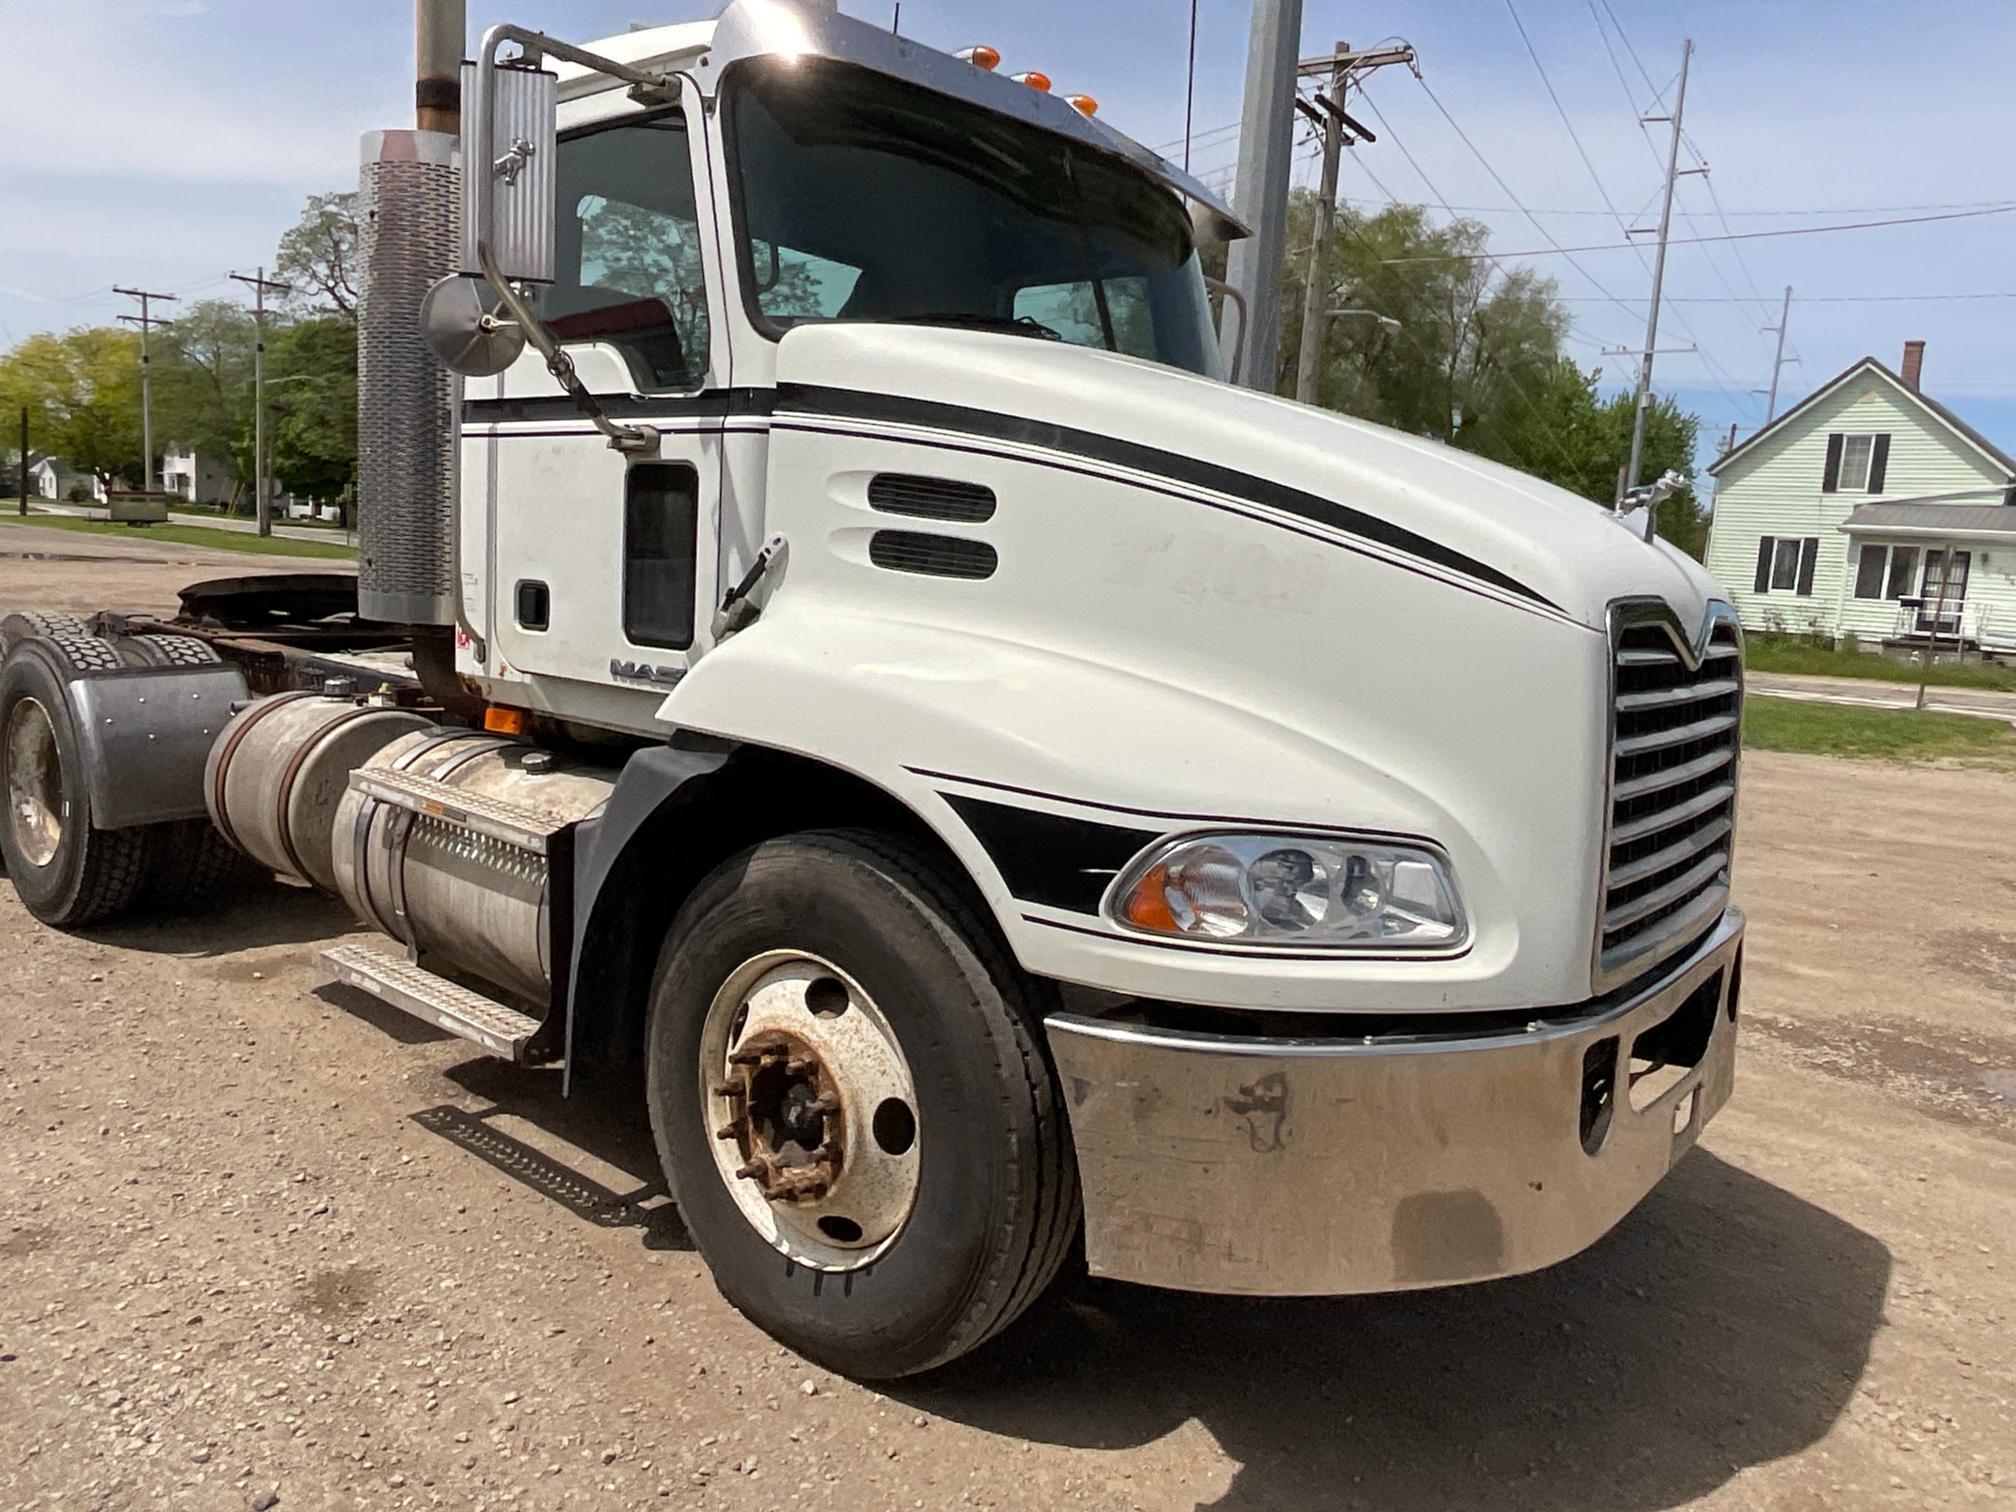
point(1674, 172)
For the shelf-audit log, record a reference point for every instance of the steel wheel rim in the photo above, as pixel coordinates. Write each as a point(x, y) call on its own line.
point(810, 1110)
point(34, 783)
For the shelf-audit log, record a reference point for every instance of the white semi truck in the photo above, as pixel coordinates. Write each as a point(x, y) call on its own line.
point(836, 637)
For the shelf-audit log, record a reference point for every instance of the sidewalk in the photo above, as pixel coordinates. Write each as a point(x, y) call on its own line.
point(1983, 703)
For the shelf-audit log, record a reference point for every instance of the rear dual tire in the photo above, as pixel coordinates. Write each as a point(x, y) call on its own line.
point(66, 870)
point(994, 1201)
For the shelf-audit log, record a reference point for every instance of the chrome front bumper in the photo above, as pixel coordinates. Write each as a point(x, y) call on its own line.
point(1314, 1167)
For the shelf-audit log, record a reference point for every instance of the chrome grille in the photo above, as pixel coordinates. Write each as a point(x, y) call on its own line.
point(1675, 731)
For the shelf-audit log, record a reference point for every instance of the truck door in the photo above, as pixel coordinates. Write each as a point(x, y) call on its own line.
point(598, 562)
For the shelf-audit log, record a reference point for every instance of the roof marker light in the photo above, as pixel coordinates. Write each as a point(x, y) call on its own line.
point(981, 56)
point(1033, 79)
point(1084, 104)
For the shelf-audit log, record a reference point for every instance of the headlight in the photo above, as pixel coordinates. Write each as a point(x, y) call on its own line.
point(1292, 889)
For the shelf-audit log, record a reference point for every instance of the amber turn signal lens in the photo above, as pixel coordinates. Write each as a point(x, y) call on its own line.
point(982, 56)
point(1146, 905)
point(502, 721)
point(1084, 104)
point(1034, 80)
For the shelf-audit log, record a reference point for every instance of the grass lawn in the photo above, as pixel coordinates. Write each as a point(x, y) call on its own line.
point(1817, 729)
point(1795, 654)
point(185, 535)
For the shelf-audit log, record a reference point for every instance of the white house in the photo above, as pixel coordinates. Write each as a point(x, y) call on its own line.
point(200, 480)
point(53, 478)
point(1869, 509)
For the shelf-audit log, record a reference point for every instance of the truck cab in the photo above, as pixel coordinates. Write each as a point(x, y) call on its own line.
point(1010, 786)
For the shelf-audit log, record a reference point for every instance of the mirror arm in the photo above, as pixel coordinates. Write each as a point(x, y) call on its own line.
point(1219, 286)
point(640, 439)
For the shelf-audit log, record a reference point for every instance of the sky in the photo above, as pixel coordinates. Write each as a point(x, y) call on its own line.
point(166, 143)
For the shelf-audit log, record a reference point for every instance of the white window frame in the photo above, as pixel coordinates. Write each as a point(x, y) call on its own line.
point(1778, 560)
point(1847, 481)
point(1888, 589)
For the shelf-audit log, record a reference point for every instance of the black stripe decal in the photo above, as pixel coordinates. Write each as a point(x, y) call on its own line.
point(714, 403)
point(1292, 826)
point(811, 400)
point(1051, 859)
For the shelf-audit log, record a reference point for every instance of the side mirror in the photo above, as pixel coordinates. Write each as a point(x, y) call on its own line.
point(509, 132)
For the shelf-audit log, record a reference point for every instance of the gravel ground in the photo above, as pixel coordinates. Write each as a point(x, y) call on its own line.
point(263, 1238)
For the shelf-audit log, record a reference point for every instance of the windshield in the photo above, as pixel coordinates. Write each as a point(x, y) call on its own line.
point(861, 197)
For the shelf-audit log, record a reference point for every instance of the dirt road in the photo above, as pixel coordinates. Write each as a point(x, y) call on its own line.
point(61, 569)
point(259, 1235)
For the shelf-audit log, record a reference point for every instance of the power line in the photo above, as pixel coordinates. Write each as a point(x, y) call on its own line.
point(1688, 241)
point(1601, 213)
point(1658, 95)
point(1512, 386)
point(1594, 177)
point(1811, 298)
point(1637, 115)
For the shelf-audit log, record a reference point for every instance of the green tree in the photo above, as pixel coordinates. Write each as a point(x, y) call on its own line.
point(311, 370)
point(203, 385)
point(1476, 358)
point(1468, 339)
point(1567, 433)
point(318, 256)
point(82, 390)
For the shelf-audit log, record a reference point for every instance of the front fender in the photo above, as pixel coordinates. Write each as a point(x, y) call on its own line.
point(935, 714)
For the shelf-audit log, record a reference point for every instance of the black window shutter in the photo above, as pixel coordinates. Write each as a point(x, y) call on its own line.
point(1879, 463)
point(1832, 479)
point(1809, 553)
point(1764, 548)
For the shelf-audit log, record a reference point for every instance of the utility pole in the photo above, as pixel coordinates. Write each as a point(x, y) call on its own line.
point(24, 459)
point(263, 499)
point(146, 321)
point(1328, 114)
point(1784, 317)
point(1266, 144)
point(1644, 398)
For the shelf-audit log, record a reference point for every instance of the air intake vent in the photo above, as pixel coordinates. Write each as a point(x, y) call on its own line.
point(935, 555)
point(931, 498)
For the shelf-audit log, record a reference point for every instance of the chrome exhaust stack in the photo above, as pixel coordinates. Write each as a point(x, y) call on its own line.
point(408, 210)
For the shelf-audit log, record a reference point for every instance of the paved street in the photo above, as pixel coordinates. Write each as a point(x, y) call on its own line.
point(320, 535)
point(1855, 692)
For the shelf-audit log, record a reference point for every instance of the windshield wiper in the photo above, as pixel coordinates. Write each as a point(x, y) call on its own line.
point(1020, 325)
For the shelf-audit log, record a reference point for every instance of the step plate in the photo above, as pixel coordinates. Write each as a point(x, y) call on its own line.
point(528, 829)
point(393, 979)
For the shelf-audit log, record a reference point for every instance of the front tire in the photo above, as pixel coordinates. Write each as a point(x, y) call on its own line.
point(834, 1008)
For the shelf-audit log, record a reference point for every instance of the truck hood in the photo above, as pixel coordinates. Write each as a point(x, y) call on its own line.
point(1422, 502)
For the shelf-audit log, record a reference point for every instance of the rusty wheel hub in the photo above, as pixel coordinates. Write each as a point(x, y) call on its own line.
point(812, 1108)
point(789, 1127)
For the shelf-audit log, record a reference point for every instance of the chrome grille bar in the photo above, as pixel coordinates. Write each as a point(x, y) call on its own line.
point(1676, 725)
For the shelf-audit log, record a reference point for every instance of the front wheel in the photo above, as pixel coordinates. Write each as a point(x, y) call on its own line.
point(854, 1108)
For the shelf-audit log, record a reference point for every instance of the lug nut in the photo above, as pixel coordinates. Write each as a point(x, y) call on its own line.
point(750, 1171)
point(729, 1131)
point(732, 1090)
